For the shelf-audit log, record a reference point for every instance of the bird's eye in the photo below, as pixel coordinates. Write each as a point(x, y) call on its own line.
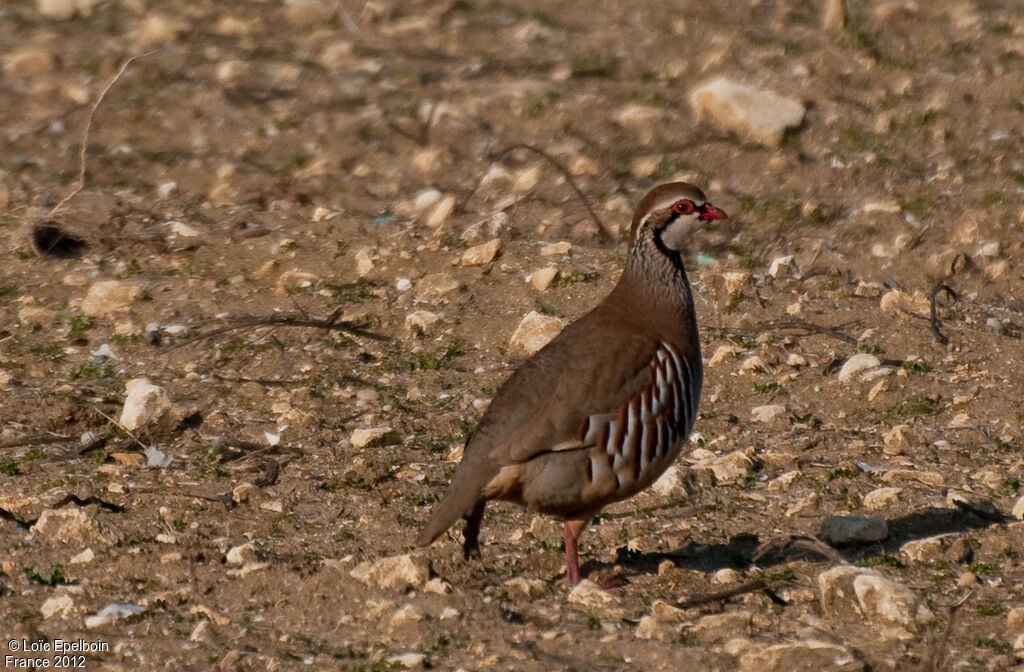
point(683, 207)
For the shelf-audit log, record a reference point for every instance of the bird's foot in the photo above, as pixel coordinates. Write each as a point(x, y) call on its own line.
point(612, 582)
point(563, 580)
point(604, 581)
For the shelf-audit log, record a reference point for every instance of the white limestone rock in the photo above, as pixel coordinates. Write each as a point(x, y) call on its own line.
point(58, 605)
point(650, 627)
point(891, 607)
point(809, 654)
point(482, 254)
point(421, 322)
point(366, 437)
point(67, 526)
point(64, 9)
point(759, 114)
point(533, 333)
point(434, 288)
point(396, 571)
point(857, 364)
point(594, 599)
point(767, 413)
point(542, 278)
point(881, 498)
point(731, 466)
point(928, 549)
point(108, 297)
point(146, 406)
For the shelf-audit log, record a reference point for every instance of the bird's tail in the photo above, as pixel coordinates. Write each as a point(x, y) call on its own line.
point(473, 473)
point(456, 503)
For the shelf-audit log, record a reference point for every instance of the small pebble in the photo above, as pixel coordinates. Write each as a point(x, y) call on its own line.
point(542, 278)
point(966, 579)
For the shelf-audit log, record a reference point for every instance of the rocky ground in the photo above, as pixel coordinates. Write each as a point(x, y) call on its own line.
point(265, 169)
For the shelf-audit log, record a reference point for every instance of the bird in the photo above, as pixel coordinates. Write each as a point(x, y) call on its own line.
point(601, 411)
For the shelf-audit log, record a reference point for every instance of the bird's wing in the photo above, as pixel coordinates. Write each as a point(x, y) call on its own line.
point(556, 399)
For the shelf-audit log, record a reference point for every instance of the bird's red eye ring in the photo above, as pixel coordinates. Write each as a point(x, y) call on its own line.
point(684, 207)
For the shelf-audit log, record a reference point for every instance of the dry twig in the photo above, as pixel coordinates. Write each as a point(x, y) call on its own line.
point(66, 499)
point(939, 659)
point(799, 543)
point(797, 324)
point(838, 363)
point(37, 439)
point(933, 321)
point(982, 509)
point(86, 501)
point(242, 448)
point(959, 263)
point(346, 17)
point(96, 441)
point(422, 135)
point(285, 320)
point(603, 231)
point(834, 332)
point(271, 382)
point(224, 498)
point(80, 182)
point(266, 382)
point(700, 600)
point(124, 429)
point(563, 662)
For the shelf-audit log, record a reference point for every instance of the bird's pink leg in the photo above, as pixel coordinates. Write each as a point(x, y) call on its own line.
point(573, 528)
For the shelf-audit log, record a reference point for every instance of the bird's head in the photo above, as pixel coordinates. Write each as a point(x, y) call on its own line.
point(669, 213)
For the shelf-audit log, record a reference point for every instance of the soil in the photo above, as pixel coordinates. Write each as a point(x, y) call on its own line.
point(264, 151)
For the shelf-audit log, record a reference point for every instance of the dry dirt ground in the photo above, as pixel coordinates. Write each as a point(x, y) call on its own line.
point(276, 157)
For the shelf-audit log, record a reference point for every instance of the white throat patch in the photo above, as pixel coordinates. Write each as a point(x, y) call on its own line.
point(675, 235)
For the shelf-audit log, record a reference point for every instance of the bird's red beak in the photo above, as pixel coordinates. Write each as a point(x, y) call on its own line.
point(709, 212)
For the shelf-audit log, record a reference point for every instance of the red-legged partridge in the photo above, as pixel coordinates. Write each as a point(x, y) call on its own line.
point(602, 410)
